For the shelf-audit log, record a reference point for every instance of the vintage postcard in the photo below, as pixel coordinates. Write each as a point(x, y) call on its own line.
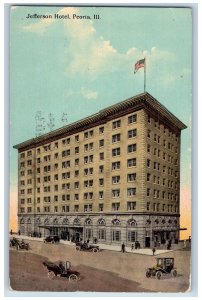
point(100, 149)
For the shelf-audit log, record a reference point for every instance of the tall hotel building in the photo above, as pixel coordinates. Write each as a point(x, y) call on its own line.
point(113, 176)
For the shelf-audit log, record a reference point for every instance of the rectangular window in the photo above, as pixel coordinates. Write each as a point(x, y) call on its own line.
point(102, 156)
point(29, 209)
point(132, 236)
point(76, 185)
point(101, 169)
point(29, 153)
point(66, 153)
point(76, 208)
point(56, 156)
point(101, 143)
point(116, 138)
point(29, 191)
point(116, 235)
point(115, 193)
point(116, 165)
point(131, 177)
point(116, 124)
point(131, 192)
point(148, 206)
point(101, 181)
point(101, 208)
point(101, 232)
point(148, 191)
point(132, 148)
point(76, 197)
point(115, 206)
point(29, 162)
point(65, 186)
point(132, 119)
point(148, 148)
point(77, 138)
point(101, 130)
point(76, 161)
point(116, 152)
point(132, 133)
point(87, 207)
point(76, 150)
point(66, 141)
point(101, 195)
point(65, 208)
point(66, 164)
point(131, 205)
point(115, 179)
point(131, 162)
point(22, 155)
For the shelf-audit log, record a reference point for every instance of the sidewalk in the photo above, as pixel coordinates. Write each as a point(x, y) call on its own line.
point(117, 248)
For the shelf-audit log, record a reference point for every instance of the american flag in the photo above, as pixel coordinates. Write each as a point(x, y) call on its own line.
point(139, 64)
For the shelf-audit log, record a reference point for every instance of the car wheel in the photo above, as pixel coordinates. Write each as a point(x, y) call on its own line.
point(95, 250)
point(52, 242)
point(51, 274)
point(148, 273)
point(78, 248)
point(158, 275)
point(174, 273)
point(73, 277)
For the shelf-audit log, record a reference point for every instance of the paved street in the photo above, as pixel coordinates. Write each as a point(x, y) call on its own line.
point(102, 271)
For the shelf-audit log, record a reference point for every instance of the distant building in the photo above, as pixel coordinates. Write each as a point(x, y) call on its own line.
point(113, 176)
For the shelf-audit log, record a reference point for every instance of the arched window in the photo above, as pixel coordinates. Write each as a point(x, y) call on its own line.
point(116, 222)
point(55, 221)
point(101, 222)
point(170, 221)
point(65, 221)
point(88, 221)
point(163, 221)
point(38, 221)
point(157, 221)
point(22, 221)
point(76, 221)
point(148, 222)
point(132, 223)
point(28, 221)
point(46, 222)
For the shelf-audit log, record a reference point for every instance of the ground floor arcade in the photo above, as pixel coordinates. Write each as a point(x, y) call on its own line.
point(145, 230)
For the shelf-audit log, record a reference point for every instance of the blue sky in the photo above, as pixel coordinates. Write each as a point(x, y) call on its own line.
point(79, 66)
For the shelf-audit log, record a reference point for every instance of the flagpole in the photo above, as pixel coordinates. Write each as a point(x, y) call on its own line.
point(144, 74)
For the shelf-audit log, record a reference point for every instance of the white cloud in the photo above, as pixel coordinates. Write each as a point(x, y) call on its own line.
point(88, 94)
point(90, 55)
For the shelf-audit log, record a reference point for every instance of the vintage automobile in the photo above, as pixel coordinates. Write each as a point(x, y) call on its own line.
point(61, 269)
point(164, 266)
point(13, 242)
point(52, 239)
point(86, 247)
point(22, 245)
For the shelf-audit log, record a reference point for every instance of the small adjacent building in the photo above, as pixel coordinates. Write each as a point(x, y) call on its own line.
point(112, 177)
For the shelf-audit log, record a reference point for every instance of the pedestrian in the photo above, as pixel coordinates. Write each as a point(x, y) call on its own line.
point(185, 243)
point(123, 247)
point(153, 250)
point(18, 232)
point(132, 247)
point(11, 232)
